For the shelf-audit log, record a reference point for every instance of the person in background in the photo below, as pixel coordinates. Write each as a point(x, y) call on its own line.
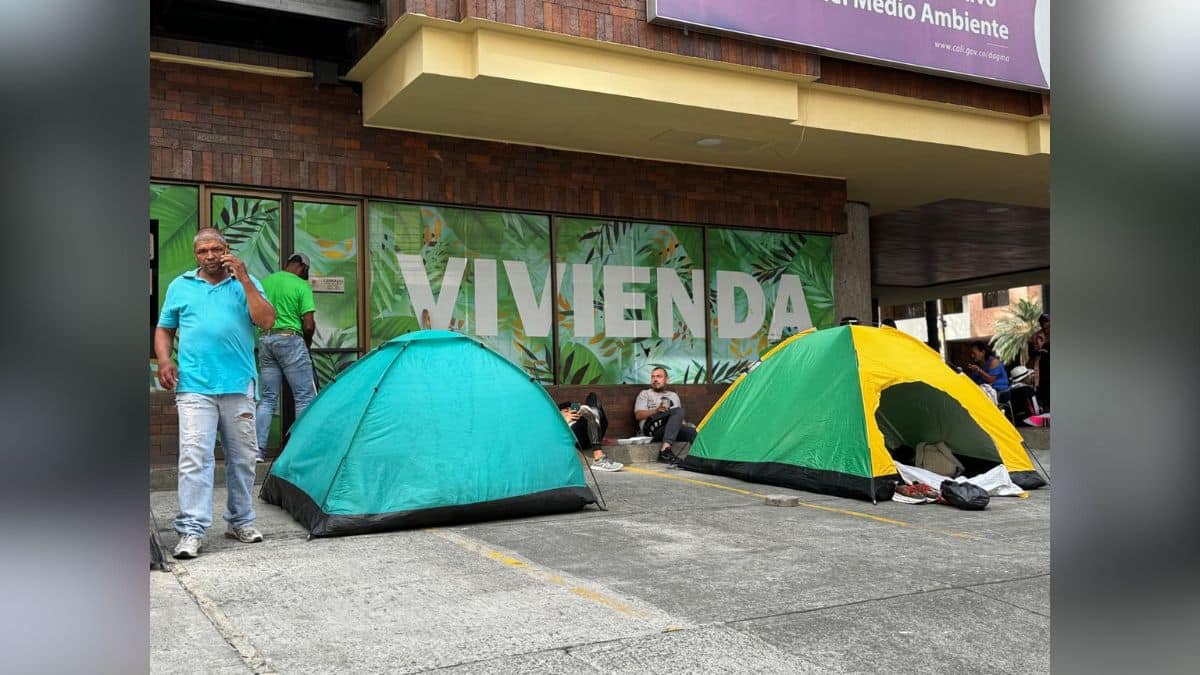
point(214, 308)
point(984, 367)
point(283, 350)
point(589, 424)
point(1039, 363)
point(660, 415)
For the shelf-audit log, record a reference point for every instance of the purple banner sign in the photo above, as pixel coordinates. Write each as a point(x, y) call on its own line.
point(998, 41)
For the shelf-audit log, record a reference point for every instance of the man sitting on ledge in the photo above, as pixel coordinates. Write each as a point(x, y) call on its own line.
point(660, 416)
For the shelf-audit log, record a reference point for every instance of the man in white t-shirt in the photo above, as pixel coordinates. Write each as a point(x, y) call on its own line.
point(660, 415)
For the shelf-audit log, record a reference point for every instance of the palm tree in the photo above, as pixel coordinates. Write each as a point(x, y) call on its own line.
point(1015, 328)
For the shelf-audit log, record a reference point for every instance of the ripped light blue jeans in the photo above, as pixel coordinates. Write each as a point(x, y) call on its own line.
point(200, 417)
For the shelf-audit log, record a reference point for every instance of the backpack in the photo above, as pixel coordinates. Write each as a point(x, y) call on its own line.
point(938, 458)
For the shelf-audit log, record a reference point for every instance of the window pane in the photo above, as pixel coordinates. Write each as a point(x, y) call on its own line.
point(995, 298)
point(177, 210)
point(328, 235)
point(251, 226)
point(629, 299)
point(482, 273)
point(952, 305)
point(764, 287)
point(912, 310)
point(329, 366)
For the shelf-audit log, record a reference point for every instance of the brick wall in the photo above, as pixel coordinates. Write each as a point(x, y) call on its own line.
point(164, 429)
point(238, 128)
point(697, 400)
point(983, 320)
point(624, 22)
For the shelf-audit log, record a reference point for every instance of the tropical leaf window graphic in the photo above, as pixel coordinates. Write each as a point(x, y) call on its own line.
point(767, 257)
point(438, 235)
point(329, 366)
point(177, 210)
point(601, 244)
point(251, 226)
point(328, 234)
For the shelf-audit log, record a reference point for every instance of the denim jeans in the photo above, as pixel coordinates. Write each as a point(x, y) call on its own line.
point(200, 418)
point(281, 356)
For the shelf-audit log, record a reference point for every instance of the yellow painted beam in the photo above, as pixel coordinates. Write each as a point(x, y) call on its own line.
point(641, 76)
point(270, 71)
point(836, 110)
point(431, 48)
point(1039, 136)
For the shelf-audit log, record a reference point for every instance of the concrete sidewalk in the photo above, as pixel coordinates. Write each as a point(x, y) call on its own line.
point(685, 573)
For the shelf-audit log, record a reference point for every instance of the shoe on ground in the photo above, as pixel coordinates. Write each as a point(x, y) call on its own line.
point(606, 464)
point(260, 459)
point(910, 494)
point(247, 535)
point(930, 493)
point(188, 547)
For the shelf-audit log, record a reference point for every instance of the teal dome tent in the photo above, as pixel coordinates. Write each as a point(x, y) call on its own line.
point(430, 428)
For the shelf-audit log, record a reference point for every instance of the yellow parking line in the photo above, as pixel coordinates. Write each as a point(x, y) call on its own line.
point(831, 509)
point(575, 587)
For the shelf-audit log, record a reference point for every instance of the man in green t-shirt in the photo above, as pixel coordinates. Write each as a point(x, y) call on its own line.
point(283, 350)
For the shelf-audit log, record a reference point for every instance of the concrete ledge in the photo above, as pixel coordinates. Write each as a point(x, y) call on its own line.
point(640, 453)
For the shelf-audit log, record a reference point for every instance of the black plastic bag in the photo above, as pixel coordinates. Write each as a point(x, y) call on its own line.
point(965, 495)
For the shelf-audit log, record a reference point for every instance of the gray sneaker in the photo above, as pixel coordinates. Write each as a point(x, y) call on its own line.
point(606, 464)
point(247, 535)
point(188, 547)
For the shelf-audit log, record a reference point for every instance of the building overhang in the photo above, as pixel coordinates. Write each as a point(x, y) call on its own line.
point(493, 81)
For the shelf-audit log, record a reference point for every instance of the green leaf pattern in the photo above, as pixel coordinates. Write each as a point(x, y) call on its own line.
point(328, 235)
point(439, 234)
point(767, 256)
point(600, 359)
point(251, 226)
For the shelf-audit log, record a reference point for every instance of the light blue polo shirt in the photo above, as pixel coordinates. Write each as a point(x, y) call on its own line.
point(216, 335)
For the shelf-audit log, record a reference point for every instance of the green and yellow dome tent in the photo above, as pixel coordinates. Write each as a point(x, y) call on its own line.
point(822, 408)
point(430, 428)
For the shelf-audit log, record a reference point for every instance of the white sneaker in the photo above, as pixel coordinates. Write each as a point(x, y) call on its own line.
point(188, 547)
point(606, 464)
point(246, 535)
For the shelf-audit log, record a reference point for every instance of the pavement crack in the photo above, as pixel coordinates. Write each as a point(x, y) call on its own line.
point(897, 596)
point(972, 588)
point(226, 628)
point(565, 650)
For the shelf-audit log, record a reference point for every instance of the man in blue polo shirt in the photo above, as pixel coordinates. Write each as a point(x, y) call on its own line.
point(214, 308)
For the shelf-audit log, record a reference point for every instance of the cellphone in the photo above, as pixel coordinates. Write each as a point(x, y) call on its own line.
point(574, 407)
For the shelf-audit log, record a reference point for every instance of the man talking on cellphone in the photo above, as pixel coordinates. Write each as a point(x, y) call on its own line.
point(214, 308)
